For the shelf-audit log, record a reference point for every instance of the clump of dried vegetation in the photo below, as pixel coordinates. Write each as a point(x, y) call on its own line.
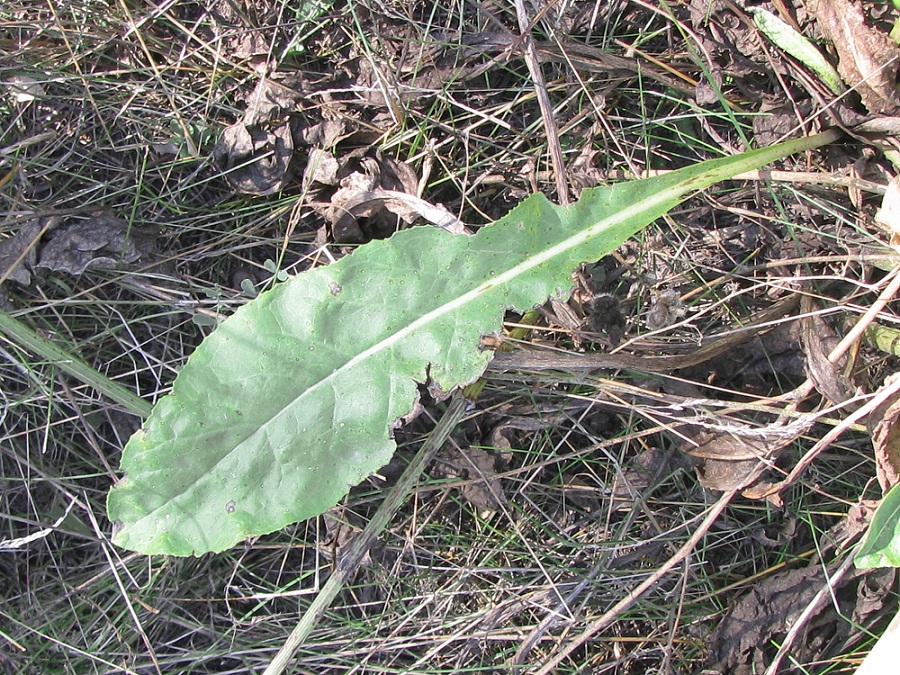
point(161, 163)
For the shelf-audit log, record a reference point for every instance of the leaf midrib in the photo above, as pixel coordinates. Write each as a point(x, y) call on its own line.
point(703, 179)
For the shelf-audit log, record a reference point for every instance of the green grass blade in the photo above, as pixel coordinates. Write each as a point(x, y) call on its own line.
point(26, 338)
point(795, 44)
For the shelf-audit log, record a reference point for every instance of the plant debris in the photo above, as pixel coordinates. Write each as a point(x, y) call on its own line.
point(242, 141)
point(256, 154)
point(746, 639)
point(884, 426)
point(868, 60)
point(101, 242)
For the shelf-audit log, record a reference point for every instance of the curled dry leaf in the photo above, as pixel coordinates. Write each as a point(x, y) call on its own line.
point(884, 425)
point(104, 242)
point(101, 242)
point(772, 606)
point(255, 154)
point(731, 456)
point(383, 192)
point(869, 60)
point(828, 377)
point(255, 160)
point(350, 204)
point(18, 254)
point(743, 642)
point(482, 488)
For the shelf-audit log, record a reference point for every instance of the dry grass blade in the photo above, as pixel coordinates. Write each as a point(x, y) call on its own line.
point(635, 594)
point(540, 88)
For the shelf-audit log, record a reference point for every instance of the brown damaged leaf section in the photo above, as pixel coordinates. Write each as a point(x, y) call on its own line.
point(746, 640)
point(729, 458)
point(255, 154)
point(74, 246)
point(743, 642)
point(818, 340)
point(884, 425)
point(729, 454)
point(868, 59)
point(381, 193)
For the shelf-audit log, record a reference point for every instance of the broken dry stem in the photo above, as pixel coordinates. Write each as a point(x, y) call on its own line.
point(886, 394)
point(540, 88)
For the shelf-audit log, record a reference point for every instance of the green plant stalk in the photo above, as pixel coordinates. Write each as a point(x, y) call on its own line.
point(356, 550)
point(884, 338)
point(27, 339)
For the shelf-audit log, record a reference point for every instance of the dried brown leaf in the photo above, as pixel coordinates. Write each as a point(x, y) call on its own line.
point(482, 488)
point(884, 425)
point(868, 58)
point(18, 254)
point(255, 160)
point(730, 457)
point(743, 642)
point(383, 192)
point(818, 341)
point(104, 242)
point(255, 154)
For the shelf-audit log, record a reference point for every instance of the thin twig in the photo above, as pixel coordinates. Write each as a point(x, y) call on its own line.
point(634, 595)
point(808, 613)
point(540, 88)
point(823, 443)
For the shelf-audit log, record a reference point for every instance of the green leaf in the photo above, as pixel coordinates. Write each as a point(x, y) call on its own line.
point(795, 44)
point(290, 402)
point(881, 547)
